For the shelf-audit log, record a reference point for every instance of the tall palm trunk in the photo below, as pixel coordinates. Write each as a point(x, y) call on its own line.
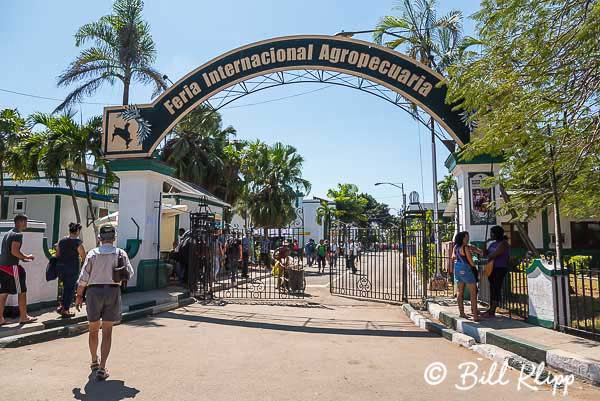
point(126, 84)
point(73, 197)
point(88, 196)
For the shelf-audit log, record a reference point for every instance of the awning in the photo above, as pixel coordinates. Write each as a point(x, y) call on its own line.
point(176, 186)
point(167, 210)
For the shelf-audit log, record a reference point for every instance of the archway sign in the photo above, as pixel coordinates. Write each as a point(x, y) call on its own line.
point(135, 131)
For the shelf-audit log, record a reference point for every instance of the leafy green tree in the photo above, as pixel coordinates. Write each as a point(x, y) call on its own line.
point(68, 146)
point(377, 213)
point(324, 214)
point(12, 131)
point(349, 205)
point(123, 49)
point(532, 91)
point(273, 176)
point(205, 153)
point(447, 187)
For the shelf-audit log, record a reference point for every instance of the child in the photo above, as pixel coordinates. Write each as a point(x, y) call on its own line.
point(279, 269)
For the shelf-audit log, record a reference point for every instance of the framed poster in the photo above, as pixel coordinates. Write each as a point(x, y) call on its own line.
point(481, 199)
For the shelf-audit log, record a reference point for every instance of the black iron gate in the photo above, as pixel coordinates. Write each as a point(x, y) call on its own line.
point(393, 264)
point(368, 262)
point(232, 262)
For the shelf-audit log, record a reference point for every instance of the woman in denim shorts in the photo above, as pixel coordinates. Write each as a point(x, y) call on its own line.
point(463, 273)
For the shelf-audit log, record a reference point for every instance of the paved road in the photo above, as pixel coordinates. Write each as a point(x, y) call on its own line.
point(332, 348)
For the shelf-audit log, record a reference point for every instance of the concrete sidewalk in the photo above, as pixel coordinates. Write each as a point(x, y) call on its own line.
point(50, 326)
point(564, 352)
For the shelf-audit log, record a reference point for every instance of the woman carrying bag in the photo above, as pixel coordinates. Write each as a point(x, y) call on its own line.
point(69, 250)
point(463, 274)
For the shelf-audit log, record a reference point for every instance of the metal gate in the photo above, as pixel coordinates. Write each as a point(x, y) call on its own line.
point(366, 263)
point(392, 264)
point(233, 262)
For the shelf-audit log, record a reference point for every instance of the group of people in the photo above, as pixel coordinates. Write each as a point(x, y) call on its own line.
point(467, 274)
point(95, 281)
point(326, 252)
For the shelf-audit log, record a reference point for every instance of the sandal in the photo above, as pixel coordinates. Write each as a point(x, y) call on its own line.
point(94, 366)
point(102, 374)
point(29, 320)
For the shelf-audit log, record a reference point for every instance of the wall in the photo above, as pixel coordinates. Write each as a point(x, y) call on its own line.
point(42, 208)
point(39, 291)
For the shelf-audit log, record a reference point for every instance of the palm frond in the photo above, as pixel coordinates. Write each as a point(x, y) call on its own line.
point(86, 89)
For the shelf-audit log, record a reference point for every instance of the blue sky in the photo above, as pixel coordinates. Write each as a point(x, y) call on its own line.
point(344, 135)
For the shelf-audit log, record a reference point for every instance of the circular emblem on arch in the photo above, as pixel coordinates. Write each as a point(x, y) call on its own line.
point(388, 68)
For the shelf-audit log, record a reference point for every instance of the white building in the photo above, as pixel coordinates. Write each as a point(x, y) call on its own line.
point(580, 236)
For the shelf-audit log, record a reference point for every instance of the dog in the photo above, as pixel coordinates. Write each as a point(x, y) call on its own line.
point(122, 133)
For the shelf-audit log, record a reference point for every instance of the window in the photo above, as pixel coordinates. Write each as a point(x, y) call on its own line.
point(20, 205)
point(102, 212)
point(585, 235)
point(514, 238)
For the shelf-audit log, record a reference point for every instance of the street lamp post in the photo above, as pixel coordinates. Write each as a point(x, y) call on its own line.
point(399, 185)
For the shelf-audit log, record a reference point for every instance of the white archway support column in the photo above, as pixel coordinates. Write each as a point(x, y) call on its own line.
point(140, 188)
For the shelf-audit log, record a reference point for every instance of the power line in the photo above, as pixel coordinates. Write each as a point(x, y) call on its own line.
point(44, 97)
point(226, 107)
point(276, 99)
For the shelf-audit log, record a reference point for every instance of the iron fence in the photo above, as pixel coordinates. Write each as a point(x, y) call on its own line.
point(581, 297)
point(514, 293)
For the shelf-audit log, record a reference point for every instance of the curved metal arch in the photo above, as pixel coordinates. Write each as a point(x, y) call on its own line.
point(241, 90)
point(380, 66)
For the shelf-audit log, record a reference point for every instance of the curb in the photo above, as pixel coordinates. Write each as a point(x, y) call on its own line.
point(523, 351)
point(76, 328)
point(489, 351)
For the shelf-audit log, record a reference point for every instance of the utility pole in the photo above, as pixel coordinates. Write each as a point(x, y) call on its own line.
point(435, 194)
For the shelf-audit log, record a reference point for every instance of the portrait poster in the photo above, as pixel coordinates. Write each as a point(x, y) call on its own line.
point(481, 199)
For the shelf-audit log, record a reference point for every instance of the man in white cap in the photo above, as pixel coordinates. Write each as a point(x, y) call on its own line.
point(103, 295)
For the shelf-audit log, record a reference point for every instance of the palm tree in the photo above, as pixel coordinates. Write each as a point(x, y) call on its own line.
point(12, 131)
point(324, 213)
point(204, 153)
point(432, 41)
point(122, 49)
point(273, 176)
point(68, 146)
point(447, 187)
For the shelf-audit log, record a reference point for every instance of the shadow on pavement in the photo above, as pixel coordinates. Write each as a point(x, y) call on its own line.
point(304, 328)
point(108, 390)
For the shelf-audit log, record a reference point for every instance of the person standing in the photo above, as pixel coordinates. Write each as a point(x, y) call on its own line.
point(12, 274)
point(234, 256)
point(69, 250)
point(265, 248)
point(310, 249)
point(499, 252)
point(245, 254)
point(103, 295)
point(463, 274)
point(351, 255)
point(333, 254)
point(321, 255)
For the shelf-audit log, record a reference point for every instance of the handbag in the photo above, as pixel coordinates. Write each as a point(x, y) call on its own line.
point(52, 269)
point(489, 267)
point(120, 272)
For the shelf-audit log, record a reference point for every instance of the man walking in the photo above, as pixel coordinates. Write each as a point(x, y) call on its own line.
point(265, 247)
point(103, 296)
point(12, 275)
point(321, 255)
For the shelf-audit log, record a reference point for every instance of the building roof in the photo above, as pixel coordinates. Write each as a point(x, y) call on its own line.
point(426, 206)
point(176, 187)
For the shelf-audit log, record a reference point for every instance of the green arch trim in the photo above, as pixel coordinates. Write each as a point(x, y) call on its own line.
point(401, 74)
